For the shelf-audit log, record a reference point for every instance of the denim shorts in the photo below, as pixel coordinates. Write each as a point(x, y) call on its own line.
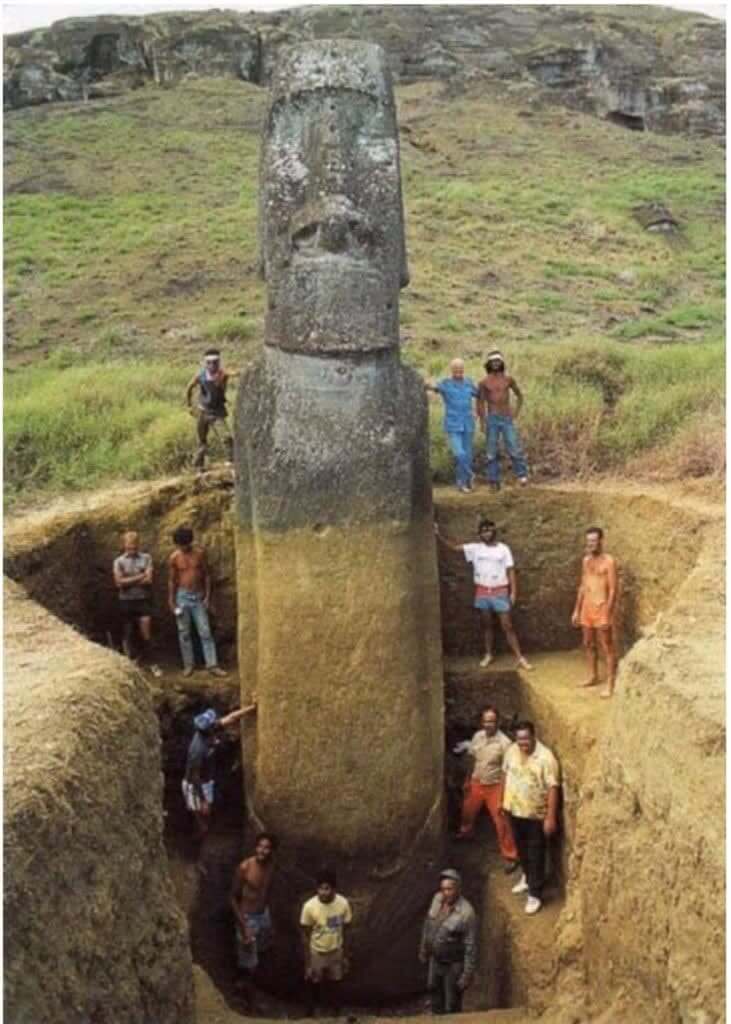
point(496, 603)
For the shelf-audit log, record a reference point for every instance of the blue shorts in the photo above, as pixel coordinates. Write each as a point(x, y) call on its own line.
point(493, 604)
point(258, 940)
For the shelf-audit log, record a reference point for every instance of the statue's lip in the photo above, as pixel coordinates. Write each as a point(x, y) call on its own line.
point(343, 261)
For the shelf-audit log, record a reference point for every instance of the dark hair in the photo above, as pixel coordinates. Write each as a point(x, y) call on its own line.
point(485, 524)
point(183, 535)
point(212, 352)
point(326, 876)
point(597, 530)
point(525, 726)
point(490, 707)
point(266, 835)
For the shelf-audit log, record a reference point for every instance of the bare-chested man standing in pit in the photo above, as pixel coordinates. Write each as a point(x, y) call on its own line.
point(594, 609)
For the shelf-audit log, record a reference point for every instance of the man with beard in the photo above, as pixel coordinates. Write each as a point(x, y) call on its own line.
point(249, 901)
point(498, 419)
point(496, 586)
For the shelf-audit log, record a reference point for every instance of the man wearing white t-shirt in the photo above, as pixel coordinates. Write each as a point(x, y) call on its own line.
point(496, 586)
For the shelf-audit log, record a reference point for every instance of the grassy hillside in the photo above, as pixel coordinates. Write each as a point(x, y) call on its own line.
point(130, 243)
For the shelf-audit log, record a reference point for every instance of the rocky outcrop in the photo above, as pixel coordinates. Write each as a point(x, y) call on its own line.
point(649, 69)
point(92, 929)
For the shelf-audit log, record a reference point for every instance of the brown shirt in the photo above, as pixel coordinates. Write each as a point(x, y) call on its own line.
point(251, 885)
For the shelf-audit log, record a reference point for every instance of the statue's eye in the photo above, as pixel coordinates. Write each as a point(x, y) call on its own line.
point(306, 236)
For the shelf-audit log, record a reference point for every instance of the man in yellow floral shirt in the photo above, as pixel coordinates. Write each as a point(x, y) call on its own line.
point(530, 800)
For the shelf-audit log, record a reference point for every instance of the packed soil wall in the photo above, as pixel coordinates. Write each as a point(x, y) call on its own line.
point(655, 545)
point(64, 555)
point(92, 929)
point(644, 927)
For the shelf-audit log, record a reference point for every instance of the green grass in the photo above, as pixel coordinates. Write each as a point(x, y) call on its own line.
point(135, 244)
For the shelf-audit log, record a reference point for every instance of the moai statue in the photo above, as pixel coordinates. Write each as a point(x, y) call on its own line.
point(339, 632)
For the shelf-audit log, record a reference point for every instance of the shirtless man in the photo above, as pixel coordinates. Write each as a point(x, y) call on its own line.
point(594, 609)
point(497, 417)
point(249, 901)
point(189, 592)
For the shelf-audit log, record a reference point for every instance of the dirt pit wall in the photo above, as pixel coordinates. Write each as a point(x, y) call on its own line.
point(92, 929)
point(64, 555)
point(655, 544)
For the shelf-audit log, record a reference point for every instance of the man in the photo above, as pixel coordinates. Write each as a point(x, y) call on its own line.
point(132, 572)
point(249, 900)
point(457, 394)
point(323, 922)
point(449, 944)
point(211, 382)
point(189, 594)
point(595, 607)
point(485, 787)
point(198, 785)
point(530, 800)
point(498, 419)
point(496, 586)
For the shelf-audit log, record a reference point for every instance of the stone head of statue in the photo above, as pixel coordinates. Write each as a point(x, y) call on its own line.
point(331, 226)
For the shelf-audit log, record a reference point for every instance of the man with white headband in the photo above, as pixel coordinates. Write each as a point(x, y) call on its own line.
point(211, 381)
point(457, 393)
point(497, 418)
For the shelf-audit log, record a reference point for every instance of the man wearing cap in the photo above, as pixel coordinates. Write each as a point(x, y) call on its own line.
point(198, 782)
point(211, 381)
point(458, 393)
point(498, 418)
point(449, 944)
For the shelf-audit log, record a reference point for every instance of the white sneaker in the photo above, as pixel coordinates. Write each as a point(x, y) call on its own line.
point(523, 481)
point(520, 886)
point(486, 661)
point(532, 905)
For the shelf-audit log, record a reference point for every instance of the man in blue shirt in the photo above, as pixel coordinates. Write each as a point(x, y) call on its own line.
point(458, 393)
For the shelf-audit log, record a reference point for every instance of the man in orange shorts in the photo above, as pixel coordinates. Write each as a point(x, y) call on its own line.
point(485, 785)
point(594, 609)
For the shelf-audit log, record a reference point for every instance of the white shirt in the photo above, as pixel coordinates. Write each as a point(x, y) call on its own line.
point(490, 563)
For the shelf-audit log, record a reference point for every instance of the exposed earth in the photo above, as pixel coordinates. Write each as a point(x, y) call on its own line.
point(635, 822)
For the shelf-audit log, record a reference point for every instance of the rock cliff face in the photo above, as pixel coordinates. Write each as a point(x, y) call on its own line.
point(93, 932)
point(645, 68)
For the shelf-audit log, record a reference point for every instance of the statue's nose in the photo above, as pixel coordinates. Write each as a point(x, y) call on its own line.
point(334, 234)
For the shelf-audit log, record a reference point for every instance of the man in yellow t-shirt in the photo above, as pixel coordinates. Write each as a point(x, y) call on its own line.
point(323, 922)
point(530, 800)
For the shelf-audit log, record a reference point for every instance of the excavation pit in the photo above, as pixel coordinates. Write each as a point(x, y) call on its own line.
point(62, 559)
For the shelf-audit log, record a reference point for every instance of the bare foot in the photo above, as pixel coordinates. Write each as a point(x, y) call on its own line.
point(607, 692)
point(522, 663)
point(593, 681)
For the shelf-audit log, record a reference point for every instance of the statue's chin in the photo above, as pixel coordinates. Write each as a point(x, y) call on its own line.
point(332, 304)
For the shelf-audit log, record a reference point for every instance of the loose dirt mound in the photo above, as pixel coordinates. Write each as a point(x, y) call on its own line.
point(93, 933)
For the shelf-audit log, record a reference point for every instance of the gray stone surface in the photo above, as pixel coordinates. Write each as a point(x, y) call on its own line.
point(336, 565)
